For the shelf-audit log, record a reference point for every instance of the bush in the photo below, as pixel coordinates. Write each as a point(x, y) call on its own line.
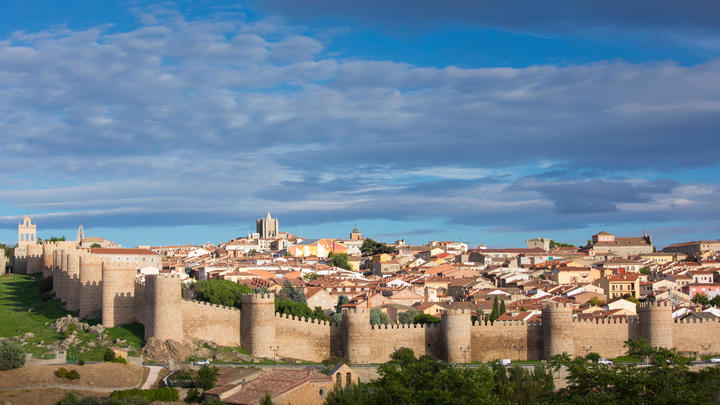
point(120, 360)
point(109, 354)
point(592, 356)
point(425, 319)
point(81, 362)
point(47, 296)
point(73, 375)
point(61, 372)
point(11, 355)
point(207, 377)
point(157, 394)
point(193, 395)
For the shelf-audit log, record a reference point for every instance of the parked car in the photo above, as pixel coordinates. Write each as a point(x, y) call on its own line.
point(715, 360)
point(505, 362)
point(204, 362)
point(605, 362)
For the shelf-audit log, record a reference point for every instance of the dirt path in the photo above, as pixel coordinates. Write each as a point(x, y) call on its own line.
point(152, 377)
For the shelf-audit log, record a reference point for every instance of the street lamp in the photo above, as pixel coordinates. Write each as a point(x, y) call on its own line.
point(275, 350)
point(465, 350)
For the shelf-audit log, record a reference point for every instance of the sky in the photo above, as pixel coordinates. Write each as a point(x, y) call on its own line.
point(485, 122)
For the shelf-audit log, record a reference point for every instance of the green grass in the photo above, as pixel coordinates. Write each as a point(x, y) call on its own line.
point(19, 293)
point(627, 359)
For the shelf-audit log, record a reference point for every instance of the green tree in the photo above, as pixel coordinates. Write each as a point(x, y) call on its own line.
point(645, 270)
point(371, 247)
point(554, 244)
point(310, 276)
point(424, 319)
point(11, 355)
point(95, 246)
point(378, 317)
point(502, 307)
point(701, 299)
point(407, 317)
point(207, 377)
point(595, 301)
point(108, 354)
point(339, 260)
point(715, 301)
point(494, 314)
point(220, 292)
point(638, 348)
point(288, 292)
point(193, 395)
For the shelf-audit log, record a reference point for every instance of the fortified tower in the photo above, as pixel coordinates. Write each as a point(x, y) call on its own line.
point(118, 290)
point(163, 316)
point(557, 326)
point(456, 333)
point(356, 334)
point(257, 325)
point(90, 286)
point(656, 324)
point(72, 282)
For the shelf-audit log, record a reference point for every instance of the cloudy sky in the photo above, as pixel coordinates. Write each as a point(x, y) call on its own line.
point(485, 121)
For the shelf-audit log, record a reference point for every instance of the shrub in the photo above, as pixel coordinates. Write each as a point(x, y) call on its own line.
point(73, 375)
point(46, 296)
point(157, 394)
point(592, 356)
point(207, 377)
point(81, 362)
point(120, 360)
point(109, 354)
point(61, 372)
point(11, 355)
point(193, 395)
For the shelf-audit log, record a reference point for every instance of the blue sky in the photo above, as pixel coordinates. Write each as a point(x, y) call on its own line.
point(485, 122)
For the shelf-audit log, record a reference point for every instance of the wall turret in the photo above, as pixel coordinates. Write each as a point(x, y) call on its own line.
point(90, 286)
point(257, 325)
point(456, 325)
point(356, 334)
point(118, 290)
point(557, 324)
point(72, 282)
point(656, 323)
point(163, 316)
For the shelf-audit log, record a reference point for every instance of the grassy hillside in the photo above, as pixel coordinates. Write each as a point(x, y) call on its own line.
point(23, 310)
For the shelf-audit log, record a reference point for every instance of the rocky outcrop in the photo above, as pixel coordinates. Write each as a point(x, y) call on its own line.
point(161, 351)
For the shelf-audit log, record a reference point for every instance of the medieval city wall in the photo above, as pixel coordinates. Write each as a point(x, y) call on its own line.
point(515, 340)
point(302, 338)
point(697, 335)
point(215, 323)
point(97, 288)
point(604, 336)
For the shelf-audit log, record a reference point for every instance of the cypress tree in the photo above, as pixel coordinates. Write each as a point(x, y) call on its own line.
point(502, 307)
point(494, 314)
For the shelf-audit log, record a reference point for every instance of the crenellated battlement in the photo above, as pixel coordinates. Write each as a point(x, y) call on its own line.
point(214, 306)
point(549, 306)
point(303, 319)
point(352, 311)
point(696, 320)
point(607, 321)
point(456, 311)
point(405, 326)
point(645, 306)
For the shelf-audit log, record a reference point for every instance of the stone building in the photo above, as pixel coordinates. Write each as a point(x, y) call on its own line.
point(604, 243)
point(694, 249)
point(268, 227)
point(538, 243)
point(355, 234)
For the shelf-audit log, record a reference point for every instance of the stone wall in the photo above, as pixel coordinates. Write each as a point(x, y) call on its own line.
point(604, 336)
point(514, 340)
point(215, 323)
point(301, 338)
point(698, 335)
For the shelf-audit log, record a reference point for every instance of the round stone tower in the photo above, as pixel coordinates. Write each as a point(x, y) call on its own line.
point(557, 326)
point(72, 284)
point(456, 333)
point(257, 325)
point(90, 286)
point(118, 289)
point(656, 323)
point(163, 317)
point(356, 335)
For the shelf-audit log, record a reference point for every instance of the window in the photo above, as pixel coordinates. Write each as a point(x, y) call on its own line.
point(348, 379)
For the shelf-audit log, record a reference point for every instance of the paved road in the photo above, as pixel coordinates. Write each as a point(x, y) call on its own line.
point(152, 377)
